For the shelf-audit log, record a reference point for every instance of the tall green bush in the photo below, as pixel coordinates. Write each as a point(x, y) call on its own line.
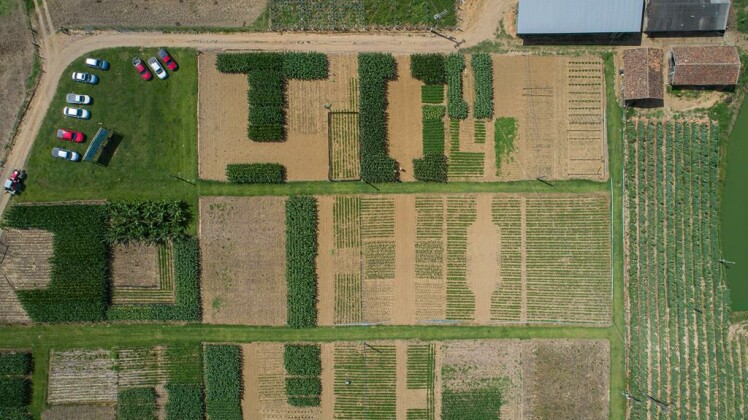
point(223, 381)
point(374, 70)
point(256, 173)
point(301, 256)
point(428, 68)
point(483, 68)
point(456, 105)
point(78, 288)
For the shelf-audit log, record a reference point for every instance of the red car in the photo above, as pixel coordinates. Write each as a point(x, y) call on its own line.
point(166, 58)
point(68, 135)
point(145, 74)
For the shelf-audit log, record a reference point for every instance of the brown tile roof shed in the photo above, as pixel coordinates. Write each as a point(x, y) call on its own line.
point(704, 66)
point(642, 74)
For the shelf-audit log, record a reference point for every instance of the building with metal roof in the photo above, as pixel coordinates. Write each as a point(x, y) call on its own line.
point(643, 79)
point(686, 15)
point(579, 17)
point(704, 66)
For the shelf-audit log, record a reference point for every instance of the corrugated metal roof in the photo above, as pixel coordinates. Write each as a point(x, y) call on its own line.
point(537, 17)
point(687, 15)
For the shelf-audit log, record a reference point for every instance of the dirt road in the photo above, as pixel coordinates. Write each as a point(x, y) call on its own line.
point(59, 50)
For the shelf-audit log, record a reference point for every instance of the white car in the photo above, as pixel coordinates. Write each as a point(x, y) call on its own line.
point(66, 154)
point(74, 98)
point(81, 114)
point(156, 66)
point(97, 63)
point(89, 78)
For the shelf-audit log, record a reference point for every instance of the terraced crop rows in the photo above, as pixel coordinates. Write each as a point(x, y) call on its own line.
point(585, 119)
point(142, 366)
point(421, 375)
point(681, 361)
point(126, 295)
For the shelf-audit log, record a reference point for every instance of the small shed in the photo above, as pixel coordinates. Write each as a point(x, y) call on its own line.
point(686, 16)
point(704, 66)
point(642, 75)
point(576, 17)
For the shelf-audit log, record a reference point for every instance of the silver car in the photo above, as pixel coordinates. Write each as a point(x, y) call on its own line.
point(89, 78)
point(60, 153)
point(157, 68)
point(81, 114)
point(74, 98)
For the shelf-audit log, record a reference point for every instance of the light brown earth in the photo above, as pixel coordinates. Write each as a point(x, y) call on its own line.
point(135, 265)
point(243, 249)
point(155, 13)
point(79, 412)
point(483, 272)
point(404, 122)
point(25, 266)
point(16, 54)
point(223, 113)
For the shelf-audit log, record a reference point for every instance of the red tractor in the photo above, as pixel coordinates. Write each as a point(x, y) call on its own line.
point(14, 184)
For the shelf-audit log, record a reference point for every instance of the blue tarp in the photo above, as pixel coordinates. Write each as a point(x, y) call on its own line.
point(98, 143)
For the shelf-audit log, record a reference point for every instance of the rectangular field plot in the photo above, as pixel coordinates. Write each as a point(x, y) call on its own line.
point(345, 163)
point(474, 258)
point(452, 379)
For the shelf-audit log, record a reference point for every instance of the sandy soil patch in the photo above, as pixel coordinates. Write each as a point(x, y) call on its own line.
point(79, 412)
point(135, 265)
point(223, 113)
point(149, 13)
point(243, 248)
point(16, 54)
point(404, 124)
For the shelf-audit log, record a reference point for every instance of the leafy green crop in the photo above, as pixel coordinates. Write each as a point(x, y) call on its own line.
point(15, 363)
point(431, 168)
point(301, 255)
point(146, 221)
point(256, 173)
point(223, 381)
point(428, 68)
point(456, 106)
point(303, 367)
point(185, 402)
point(137, 404)
point(483, 68)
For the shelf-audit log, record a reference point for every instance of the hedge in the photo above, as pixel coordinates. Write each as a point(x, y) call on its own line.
point(431, 168)
point(302, 360)
point(483, 68)
point(146, 221)
point(256, 173)
point(301, 255)
point(14, 391)
point(137, 404)
point(185, 402)
point(374, 70)
point(223, 381)
point(15, 363)
point(456, 106)
point(78, 288)
point(428, 68)
point(186, 305)
point(267, 73)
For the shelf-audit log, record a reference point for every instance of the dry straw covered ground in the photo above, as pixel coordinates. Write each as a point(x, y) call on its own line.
point(25, 266)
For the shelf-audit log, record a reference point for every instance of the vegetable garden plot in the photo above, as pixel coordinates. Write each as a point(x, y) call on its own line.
point(157, 262)
point(679, 349)
point(345, 163)
point(81, 377)
point(365, 378)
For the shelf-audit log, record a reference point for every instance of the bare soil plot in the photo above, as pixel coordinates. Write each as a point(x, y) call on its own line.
point(25, 266)
point(469, 258)
point(82, 377)
point(135, 265)
point(411, 379)
point(223, 113)
point(80, 412)
point(154, 13)
point(243, 251)
point(16, 54)
point(404, 122)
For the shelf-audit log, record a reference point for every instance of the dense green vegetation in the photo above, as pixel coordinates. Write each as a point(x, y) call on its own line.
point(301, 255)
point(483, 68)
point(374, 70)
point(432, 94)
point(303, 369)
point(256, 173)
point(15, 387)
point(456, 106)
point(156, 122)
point(78, 290)
point(433, 129)
point(481, 402)
point(146, 221)
point(428, 68)
point(137, 404)
point(267, 73)
point(223, 381)
point(15, 364)
point(433, 167)
point(185, 402)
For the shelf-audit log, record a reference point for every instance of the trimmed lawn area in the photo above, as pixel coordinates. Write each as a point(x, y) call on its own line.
point(157, 121)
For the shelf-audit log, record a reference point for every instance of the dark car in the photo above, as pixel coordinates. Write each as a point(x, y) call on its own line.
point(167, 59)
point(145, 74)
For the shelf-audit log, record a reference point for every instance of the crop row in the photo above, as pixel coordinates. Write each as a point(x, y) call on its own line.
point(223, 381)
point(429, 237)
point(506, 301)
point(256, 173)
point(301, 255)
point(432, 94)
point(137, 404)
point(345, 160)
point(428, 68)
point(365, 381)
point(15, 386)
point(303, 365)
point(466, 164)
point(483, 68)
point(347, 217)
point(374, 71)
point(461, 214)
point(457, 108)
point(348, 299)
point(480, 132)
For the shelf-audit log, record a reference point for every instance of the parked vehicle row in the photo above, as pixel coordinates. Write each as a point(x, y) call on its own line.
point(155, 65)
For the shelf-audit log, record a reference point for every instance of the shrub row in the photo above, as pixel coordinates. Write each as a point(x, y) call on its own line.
point(428, 68)
point(137, 404)
point(303, 367)
point(223, 381)
point(301, 255)
point(15, 363)
point(186, 305)
point(256, 173)
point(77, 291)
point(267, 73)
point(431, 168)
point(185, 402)
point(456, 106)
point(146, 221)
point(483, 68)
point(374, 70)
